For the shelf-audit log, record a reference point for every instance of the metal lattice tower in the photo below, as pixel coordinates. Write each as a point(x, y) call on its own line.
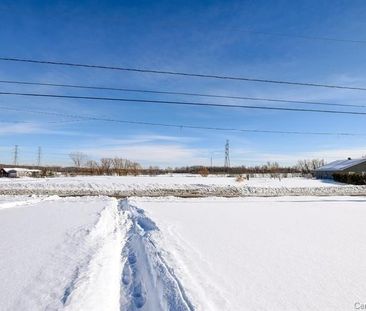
point(227, 154)
point(16, 155)
point(39, 156)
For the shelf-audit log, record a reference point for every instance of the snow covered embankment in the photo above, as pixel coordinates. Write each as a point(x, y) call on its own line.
point(194, 190)
point(181, 186)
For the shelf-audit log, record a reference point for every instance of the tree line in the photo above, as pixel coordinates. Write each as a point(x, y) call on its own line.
point(82, 165)
point(122, 166)
point(105, 166)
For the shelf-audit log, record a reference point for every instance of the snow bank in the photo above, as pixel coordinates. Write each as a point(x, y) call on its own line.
point(96, 283)
point(185, 186)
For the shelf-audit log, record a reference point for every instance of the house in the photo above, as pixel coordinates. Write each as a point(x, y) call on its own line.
point(19, 172)
point(348, 166)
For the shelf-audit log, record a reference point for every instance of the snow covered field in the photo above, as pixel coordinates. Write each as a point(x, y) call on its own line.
point(160, 181)
point(177, 185)
point(265, 253)
point(99, 253)
point(49, 244)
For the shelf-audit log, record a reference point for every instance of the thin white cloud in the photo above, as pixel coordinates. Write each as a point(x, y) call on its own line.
point(30, 128)
point(147, 138)
point(153, 154)
point(19, 128)
point(326, 154)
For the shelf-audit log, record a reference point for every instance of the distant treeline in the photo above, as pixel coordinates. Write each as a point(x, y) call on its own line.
point(120, 166)
point(136, 169)
point(235, 170)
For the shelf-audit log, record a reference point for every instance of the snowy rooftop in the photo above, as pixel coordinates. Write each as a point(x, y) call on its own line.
point(19, 169)
point(340, 165)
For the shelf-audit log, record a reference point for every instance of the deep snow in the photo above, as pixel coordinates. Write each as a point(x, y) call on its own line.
point(159, 254)
point(79, 254)
point(46, 247)
point(264, 253)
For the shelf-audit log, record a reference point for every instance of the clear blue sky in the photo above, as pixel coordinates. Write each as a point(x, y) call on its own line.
point(191, 36)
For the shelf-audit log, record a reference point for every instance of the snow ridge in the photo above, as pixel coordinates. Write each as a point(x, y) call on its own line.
point(147, 281)
point(95, 284)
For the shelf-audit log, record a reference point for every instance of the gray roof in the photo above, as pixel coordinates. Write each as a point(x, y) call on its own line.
point(340, 165)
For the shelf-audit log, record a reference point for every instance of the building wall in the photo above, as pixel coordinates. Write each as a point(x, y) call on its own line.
point(359, 168)
point(324, 174)
point(19, 173)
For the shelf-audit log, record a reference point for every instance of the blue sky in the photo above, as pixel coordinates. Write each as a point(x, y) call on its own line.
point(191, 36)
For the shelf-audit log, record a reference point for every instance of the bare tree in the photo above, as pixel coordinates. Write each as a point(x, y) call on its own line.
point(307, 166)
point(203, 171)
point(316, 163)
point(106, 165)
point(153, 170)
point(134, 168)
point(119, 166)
point(93, 166)
point(78, 158)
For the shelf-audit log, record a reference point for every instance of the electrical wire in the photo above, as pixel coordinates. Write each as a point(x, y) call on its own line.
point(186, 74)
point(277, 100)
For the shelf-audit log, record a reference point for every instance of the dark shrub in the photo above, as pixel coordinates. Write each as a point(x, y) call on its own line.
point(350, 178)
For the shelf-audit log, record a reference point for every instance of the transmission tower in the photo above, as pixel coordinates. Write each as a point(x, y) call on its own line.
point(16, 155)
point(227, 154)
point(39, 156)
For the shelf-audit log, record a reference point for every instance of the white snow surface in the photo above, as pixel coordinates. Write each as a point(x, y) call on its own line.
point(160, 181)
point(160, 254)
point(177, 185)
point(75, 254)
point(59, 253)
point(303, 253)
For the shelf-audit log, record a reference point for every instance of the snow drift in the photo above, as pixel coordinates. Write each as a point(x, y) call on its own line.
point(182, 186)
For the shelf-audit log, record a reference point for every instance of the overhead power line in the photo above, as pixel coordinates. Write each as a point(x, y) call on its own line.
point(180, 103)
point(277, 100)
point(178, 126)
point(186, 74)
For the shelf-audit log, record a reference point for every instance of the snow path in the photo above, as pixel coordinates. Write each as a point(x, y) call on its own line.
point(148, 282)
point(171, 254)
point(75, 254)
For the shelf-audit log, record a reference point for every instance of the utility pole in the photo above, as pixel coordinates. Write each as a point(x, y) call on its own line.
point(227, 154)
point(39, 156)
point(16, 155)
